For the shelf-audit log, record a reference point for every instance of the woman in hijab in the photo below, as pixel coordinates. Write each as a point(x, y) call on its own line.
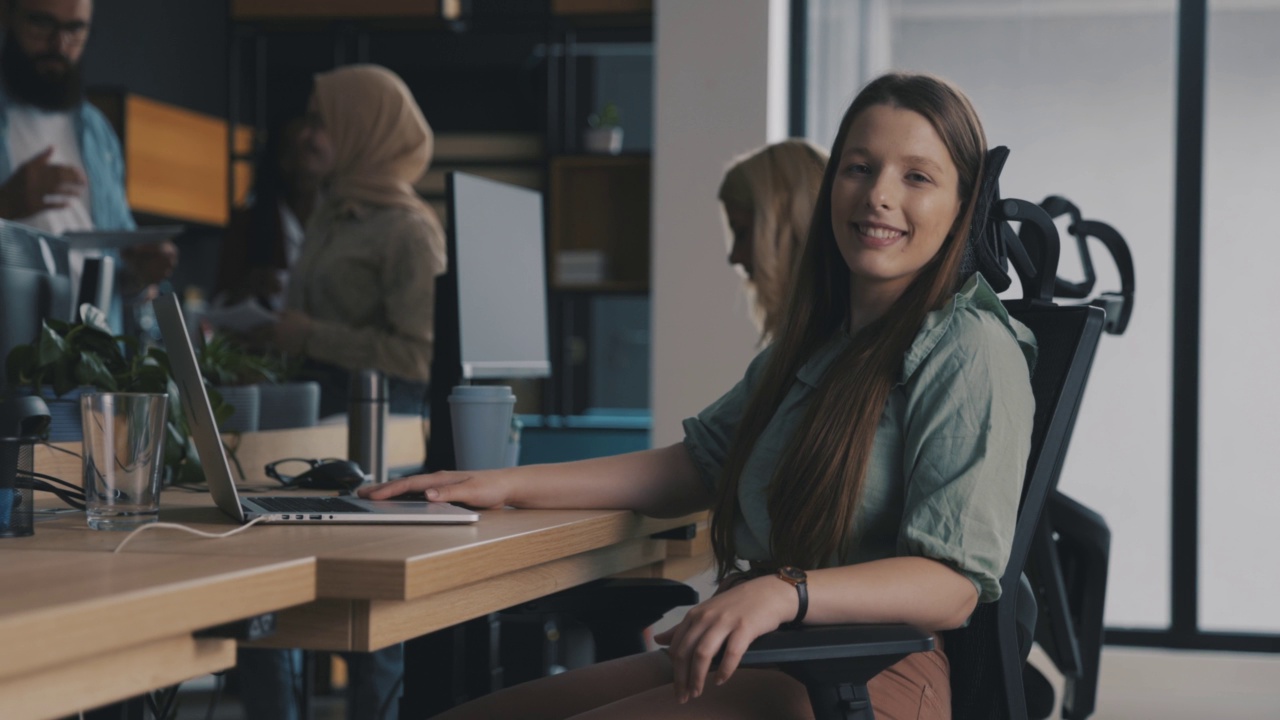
point(363, 292)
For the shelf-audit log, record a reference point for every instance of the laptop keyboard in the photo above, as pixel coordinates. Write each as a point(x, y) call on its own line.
point(308, 505)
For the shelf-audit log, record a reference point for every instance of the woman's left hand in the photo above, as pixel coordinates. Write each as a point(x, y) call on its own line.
point(731, 620)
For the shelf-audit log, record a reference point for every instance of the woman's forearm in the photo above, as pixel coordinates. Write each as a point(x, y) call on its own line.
point(912, 590)
point(662, 483)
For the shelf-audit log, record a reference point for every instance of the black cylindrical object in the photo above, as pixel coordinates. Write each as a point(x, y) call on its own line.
point(367, 404)
point(21, 422)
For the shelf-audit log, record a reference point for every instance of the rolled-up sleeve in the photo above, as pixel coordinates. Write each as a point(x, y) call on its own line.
point(968, 437)
point(707, 435)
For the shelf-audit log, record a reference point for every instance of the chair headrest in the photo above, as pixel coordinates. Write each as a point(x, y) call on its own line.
point(987, 251)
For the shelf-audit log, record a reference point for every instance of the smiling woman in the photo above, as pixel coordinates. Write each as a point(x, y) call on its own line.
point(894, 201)
point(867, 468)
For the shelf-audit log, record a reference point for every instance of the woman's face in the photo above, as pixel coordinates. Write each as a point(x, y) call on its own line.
point(315, 147)
point(895, 197)
point(742, 225)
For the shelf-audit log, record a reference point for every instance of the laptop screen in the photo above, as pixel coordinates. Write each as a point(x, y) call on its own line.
point(195, 405)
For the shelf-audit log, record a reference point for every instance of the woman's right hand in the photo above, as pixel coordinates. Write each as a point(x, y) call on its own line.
point(484, 489)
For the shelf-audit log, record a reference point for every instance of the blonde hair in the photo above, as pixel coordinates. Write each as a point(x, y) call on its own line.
point(780, 184)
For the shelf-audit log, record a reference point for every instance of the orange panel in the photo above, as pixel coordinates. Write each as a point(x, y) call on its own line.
point(176, 162)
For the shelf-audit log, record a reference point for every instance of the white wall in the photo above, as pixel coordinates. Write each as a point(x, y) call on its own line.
point(719, 91)
point(1240, 336)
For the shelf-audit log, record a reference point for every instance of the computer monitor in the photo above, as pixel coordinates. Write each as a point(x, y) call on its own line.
point(32, 287)
point(491, 305)
point(502, 288)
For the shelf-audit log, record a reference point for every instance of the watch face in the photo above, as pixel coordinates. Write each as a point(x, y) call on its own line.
point(794, 574)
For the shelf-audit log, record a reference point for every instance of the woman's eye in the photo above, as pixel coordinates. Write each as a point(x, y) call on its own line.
point(918, 177)
point(857, 169)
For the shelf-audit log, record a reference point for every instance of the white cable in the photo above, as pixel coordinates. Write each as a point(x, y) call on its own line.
point(193, 531)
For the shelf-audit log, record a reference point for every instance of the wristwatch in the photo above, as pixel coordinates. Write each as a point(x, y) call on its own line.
point(800, 581)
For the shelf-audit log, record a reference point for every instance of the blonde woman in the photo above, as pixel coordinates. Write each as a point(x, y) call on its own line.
point(768, 197)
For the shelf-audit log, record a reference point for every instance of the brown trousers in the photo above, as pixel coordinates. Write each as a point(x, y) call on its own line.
point(918, 687)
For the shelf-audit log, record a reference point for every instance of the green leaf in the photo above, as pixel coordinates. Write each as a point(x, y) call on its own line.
point(50, 346)
point(64, 379)
point(149, 379)
point(90, 315)
point(92, 371)
point(18, 366)
point(222, 410)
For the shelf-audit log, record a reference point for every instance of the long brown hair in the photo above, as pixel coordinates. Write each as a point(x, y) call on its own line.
point(780, 183)
point(814, 494)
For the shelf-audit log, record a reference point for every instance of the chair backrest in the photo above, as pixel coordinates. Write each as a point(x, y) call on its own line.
point(986, 663)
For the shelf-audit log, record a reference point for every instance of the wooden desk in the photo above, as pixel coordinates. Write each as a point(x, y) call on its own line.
point(380, 585)
point(405, 447)
point(81, 629)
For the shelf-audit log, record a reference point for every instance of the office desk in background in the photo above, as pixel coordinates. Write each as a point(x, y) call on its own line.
point(82, 629)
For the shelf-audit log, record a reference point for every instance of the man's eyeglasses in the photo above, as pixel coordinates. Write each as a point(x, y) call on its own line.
point(42, 28)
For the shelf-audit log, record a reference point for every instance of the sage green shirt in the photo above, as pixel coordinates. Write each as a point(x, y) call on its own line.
point(946, 469)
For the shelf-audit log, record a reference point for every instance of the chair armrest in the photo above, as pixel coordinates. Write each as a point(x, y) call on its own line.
point(834, 662)
point(826, 642)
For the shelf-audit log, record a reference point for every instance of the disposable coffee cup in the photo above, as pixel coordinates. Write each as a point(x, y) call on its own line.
point(481, 425)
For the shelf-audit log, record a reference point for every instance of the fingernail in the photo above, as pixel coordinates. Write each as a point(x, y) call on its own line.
point(431, 494)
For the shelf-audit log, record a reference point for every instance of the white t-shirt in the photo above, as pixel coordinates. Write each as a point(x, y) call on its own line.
point(31, 131)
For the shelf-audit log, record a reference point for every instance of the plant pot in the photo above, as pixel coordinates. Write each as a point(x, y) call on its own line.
point(602, 140)
point(64, 412)
point(246, 399)
point(288, 405)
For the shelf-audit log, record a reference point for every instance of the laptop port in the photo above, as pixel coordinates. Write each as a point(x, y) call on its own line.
point(317, 517)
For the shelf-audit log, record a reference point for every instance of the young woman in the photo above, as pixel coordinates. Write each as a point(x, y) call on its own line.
point(362, 294)
point(878, 446)
point(768, 197)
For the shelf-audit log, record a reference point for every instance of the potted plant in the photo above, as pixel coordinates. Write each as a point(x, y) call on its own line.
point(288, 403)
point(604, 132)
point(67, 360)
point(235, 371)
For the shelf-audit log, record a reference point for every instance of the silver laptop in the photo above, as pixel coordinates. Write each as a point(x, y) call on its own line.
point(277, 508)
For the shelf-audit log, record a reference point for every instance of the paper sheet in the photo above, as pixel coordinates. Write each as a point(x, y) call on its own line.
point(241, 317)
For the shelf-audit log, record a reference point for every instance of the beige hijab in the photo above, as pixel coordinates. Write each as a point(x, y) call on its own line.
point(381, 142)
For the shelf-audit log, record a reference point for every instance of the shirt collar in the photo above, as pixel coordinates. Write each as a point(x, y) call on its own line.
point(975, 293)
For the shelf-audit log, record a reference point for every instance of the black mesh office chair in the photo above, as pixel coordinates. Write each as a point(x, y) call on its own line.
point(1068, 564)
point(988, 656)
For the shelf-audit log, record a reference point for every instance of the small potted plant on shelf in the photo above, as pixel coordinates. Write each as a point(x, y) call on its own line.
point(604, 131)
